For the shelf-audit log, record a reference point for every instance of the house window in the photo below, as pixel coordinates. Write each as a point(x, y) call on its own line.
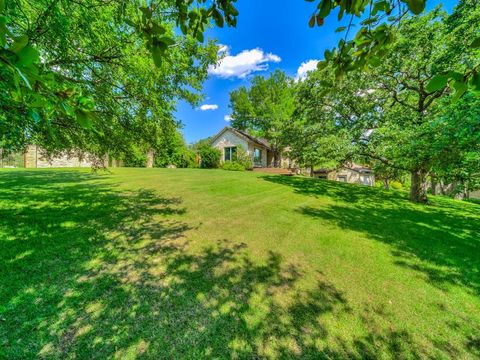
point(365, 179)
point(257, 156)
point(230, 153)
point(342, 178)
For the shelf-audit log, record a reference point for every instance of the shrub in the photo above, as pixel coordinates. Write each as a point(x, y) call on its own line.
point(209, 157)
point(185, 158)
point(243, 159)
point(233, 166)
point(396, 185)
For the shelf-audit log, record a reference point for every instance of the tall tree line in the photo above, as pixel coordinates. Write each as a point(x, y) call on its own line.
point(399, 114)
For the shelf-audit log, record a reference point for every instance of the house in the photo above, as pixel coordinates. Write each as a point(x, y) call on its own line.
point(350, 173)
point(228, 140)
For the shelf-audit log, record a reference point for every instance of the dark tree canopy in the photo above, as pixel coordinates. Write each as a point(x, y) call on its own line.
point(101, 75)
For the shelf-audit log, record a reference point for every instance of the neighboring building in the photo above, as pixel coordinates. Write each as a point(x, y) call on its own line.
point(229, 139)
point(475, 194)
point(34, 157)
point(350, 173)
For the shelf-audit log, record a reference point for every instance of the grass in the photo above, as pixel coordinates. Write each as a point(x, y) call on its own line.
point(180, 263)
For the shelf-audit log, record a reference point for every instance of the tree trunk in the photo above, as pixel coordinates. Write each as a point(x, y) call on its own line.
point(433, 185)
point(386, 183)
point(418, 188)
point(276, 156)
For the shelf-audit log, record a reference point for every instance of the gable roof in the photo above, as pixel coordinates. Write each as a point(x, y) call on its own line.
point(248, 137)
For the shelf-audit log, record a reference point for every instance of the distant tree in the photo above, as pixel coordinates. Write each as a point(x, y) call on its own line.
point(174, 151)
point(264, 108)
point(209, 156)
point(455, 142)
point(201, 143)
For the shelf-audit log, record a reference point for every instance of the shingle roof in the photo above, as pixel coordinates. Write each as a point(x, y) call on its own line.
point(258, 141)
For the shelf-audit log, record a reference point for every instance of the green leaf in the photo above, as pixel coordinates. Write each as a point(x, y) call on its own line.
point(34, 115)
point(27, 56)
point(83, 119)
point(311, 22)
point(375, 61)
point(379, 6)
point(19, 43)
point(3, 31)
point(67, 109)
point(2, 5)
point(475, 81)
point(166, 40)
point(146, 12)
point(24, 78)
point(438, 82)
point(321, 65)
point(325, 8)
point(218, 18)
point(460, 88)
point(158, 29)
point(157, 54)
point(475, 43)
point(327, 55)
point(86, 103)
point(416, 6)
point(455, 75)
point(340, 29)
point(199, 36)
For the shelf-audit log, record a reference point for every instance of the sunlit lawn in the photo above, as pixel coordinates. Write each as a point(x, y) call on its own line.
point(172, 263)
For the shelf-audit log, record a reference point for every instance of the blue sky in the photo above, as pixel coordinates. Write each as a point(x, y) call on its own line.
point(270, 34)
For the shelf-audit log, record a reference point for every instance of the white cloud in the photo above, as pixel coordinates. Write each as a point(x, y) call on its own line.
point(227, 118)
point(304, 68)
point(242, 64)
point(206, 107)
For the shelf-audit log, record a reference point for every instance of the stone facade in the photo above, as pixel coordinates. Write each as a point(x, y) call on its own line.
point(36, 158)
point(229, 138)
point(475, 194)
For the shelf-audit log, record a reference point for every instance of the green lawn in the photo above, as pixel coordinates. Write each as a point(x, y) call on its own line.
point(186, 263)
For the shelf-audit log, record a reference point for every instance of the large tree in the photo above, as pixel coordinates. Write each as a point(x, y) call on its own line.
point(264, 108)
point(386, 114)
point(101, 75)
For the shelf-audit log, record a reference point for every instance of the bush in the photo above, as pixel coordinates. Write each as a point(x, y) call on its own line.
point(233, 166)
point(185, 158)
point(243, 159)
point(396, 185)
point(209, 157)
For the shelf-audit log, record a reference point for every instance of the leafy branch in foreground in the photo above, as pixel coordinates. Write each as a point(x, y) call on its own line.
point(370, 43)
point(80, 73)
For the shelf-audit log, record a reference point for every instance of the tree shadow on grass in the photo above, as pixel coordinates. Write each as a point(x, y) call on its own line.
point(441, 240)
point(89, 271)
